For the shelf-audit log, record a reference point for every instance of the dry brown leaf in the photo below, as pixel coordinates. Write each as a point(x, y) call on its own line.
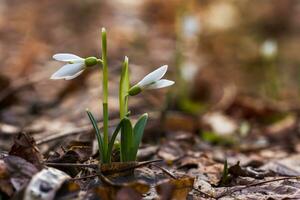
point(24, 146)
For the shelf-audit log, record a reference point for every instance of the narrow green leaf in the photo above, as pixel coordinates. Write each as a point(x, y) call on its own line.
point(123, 89)
point(98, 135)
point(126, 140)
point(225, 175)
point(138, 131)
point(112, 140)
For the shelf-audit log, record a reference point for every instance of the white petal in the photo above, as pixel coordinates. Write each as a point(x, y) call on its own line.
point(153, 76)
point(160, 84)
point(68, 70)
point(67, 57)
point(74, 76)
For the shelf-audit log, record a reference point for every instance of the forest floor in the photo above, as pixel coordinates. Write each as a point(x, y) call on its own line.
point(220, 143)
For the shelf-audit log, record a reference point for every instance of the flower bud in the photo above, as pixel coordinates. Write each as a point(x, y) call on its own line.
point(134, 90)
point(90, 61)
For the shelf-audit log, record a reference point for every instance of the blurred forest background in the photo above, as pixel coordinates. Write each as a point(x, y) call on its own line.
point(223, 54)
point(236, 65)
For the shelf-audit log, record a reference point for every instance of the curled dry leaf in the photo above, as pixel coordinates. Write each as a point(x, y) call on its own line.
point(44, 184)
point(25, 147)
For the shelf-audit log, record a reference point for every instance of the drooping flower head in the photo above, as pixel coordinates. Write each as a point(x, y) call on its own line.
point(269, 48)
point(74, 67)
point(152, 81)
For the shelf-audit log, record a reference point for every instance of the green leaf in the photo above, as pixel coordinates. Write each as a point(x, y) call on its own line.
point(123, 89)
point(112, 140)
point(126, 140)
point(138, 131)
point(225, 175)
point(98, 135)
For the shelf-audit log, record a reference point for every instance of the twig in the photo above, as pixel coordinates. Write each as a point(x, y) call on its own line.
point(229, 192)
point(106, 180)
point(101, 176)
point(97, 166)
point(85, 177)
point(140, 164)
point(94, 166)
point(165, 171)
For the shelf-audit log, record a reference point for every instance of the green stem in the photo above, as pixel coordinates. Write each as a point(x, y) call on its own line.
point(123, 104)
point(123, 89)
point(105, 93)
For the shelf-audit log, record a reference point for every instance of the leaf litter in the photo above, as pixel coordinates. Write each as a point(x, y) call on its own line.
point(260, 143)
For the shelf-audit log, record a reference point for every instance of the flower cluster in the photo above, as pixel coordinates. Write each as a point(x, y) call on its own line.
point(131, 135)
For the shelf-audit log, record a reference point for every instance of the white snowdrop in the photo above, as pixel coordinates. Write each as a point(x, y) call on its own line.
point(152, 81)
point(269, 48)
point(74, 67)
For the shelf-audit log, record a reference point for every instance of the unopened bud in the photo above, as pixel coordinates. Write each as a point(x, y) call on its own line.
point(134, 90)
point(90, 61)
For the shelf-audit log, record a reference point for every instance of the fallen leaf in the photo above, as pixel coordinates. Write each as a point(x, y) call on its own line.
point(20, 171)
point(24, 146)
point(289, 166)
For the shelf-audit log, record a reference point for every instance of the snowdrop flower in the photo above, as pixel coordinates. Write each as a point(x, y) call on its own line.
point(152, 81)
point(269, 48)
point(190, 26)
point(74, 67)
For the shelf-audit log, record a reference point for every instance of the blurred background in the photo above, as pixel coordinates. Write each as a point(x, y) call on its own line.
point(234, 62)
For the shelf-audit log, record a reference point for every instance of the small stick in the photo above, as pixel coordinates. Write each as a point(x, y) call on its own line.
point(102, 178)
point(84, 177)
point(165, 171)
point(229, 192)
point(94, 166)
point(140, 164)
point(107, 181)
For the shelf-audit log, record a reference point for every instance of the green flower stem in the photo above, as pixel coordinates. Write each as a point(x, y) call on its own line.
point(123, 89)
point(123, 105)
point(105, 93)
